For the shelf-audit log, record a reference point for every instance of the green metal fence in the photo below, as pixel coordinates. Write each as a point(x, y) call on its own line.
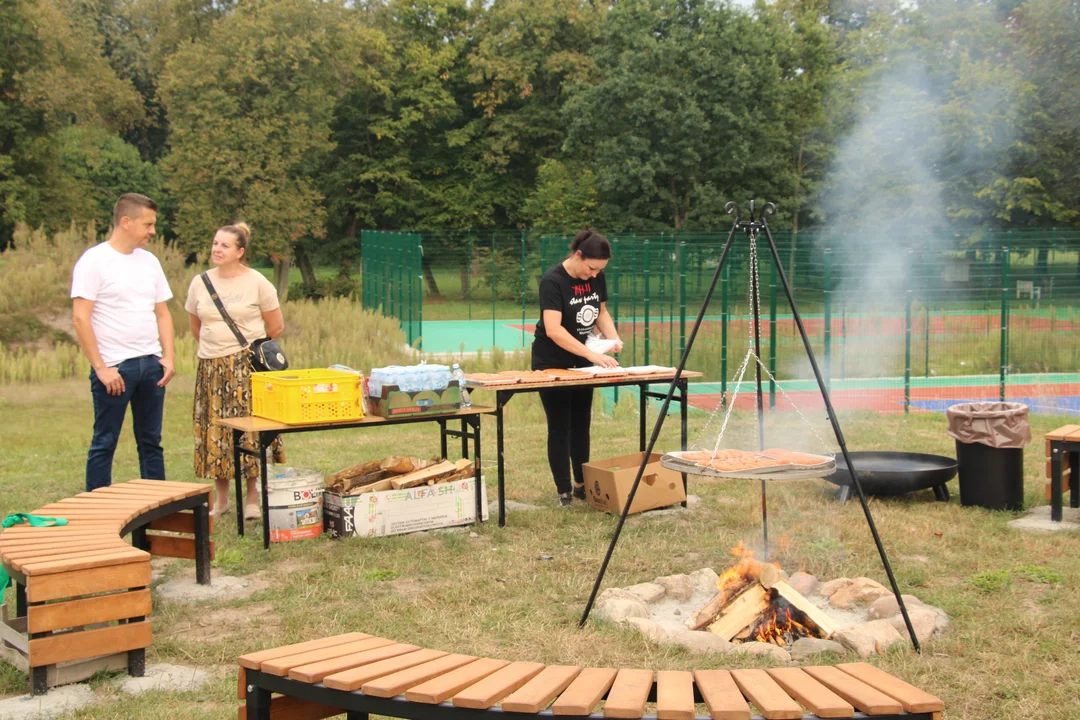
point(392, 268)
point(915, 307)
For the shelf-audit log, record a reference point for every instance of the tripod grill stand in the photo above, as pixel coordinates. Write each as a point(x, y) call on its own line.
point(751, 227)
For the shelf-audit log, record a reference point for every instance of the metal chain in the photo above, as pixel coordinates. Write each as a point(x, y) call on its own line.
point(730, 396)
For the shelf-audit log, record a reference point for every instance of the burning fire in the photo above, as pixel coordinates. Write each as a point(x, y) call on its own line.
point(779, 627)
point(780, 622)
point(744, 572)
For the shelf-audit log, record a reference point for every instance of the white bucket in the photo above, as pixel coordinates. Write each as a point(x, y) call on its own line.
point(296, 506)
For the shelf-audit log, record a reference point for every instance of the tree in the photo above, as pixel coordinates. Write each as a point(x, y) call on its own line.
point(686, 112)
point(564, 198)
point(250, 109)
point(52, 76)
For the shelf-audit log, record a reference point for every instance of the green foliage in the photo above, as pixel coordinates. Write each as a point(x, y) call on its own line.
point(564, 198)
point(992, 581)
point(341, 285)
point(250, 108)
point(1039, 574)
point(378, 575)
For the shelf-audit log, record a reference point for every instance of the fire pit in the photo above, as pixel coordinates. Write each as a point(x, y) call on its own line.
point(754, 607)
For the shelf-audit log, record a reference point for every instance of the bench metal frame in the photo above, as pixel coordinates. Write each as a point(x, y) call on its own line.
point(260, 686)
point(1058, 448)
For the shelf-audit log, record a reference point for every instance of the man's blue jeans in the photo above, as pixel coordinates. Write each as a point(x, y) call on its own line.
point(141, 376)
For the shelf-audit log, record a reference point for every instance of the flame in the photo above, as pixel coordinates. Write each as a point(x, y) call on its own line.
point(742, 573)
point(739, 574)
point(778, 626)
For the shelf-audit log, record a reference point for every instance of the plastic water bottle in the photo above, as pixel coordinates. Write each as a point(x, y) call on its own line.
point(459, 375)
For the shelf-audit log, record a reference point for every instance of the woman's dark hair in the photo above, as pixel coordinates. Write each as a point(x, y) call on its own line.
point(593, 245)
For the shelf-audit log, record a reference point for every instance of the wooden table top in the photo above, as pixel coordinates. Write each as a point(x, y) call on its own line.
point(258, 424)
point(599, 380)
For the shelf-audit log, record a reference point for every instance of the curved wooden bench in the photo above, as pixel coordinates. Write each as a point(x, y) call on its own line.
point(360, 674)
point(82, 591)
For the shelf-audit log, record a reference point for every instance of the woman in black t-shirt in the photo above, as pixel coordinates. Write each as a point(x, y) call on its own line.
point(573, 305)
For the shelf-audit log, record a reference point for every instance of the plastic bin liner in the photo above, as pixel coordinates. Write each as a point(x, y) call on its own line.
point(997, 424)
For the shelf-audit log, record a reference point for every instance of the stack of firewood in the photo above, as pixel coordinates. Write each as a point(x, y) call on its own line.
point(397, 472)
point(734, 612)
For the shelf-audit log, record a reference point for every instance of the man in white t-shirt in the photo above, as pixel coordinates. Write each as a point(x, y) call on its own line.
point(119, 295)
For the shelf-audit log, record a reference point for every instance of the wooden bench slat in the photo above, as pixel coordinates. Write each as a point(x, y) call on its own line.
point(439, 689)
point(42, 588)
point(180, 522)
point(1060, 434)
point(585, 692)
point(176, 547)
point(396, 683)
point(674, 695)
point(820, 700)
point(496, 686)
point(181, 491)
point(87, 611)
point(22, 554)
point(282, 665)
point(352, 679)
point(254, 660)
point(89, 643)
point(538, 693)
point(315, 672)
point(120, 557)
point(766, 695)
point(629, 694)
point(912, 698)
point(721, 695)
point(856, 692)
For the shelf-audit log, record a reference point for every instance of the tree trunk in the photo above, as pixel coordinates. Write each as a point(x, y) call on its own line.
point(281, 277)
point(307, 272)
point(466, 272)
point(429, 278)
point(1041, 261)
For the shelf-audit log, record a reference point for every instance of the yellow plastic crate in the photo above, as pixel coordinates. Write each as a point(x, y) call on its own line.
point(305, 397)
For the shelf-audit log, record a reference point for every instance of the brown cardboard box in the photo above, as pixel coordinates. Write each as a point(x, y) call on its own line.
point(608, 483)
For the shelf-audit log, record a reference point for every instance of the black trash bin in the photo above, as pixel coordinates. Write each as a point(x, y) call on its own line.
point(990, 439)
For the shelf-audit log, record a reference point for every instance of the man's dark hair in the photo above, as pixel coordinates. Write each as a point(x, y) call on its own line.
point(128, 204)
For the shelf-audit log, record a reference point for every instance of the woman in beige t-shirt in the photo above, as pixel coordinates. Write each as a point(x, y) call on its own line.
point(223, 380)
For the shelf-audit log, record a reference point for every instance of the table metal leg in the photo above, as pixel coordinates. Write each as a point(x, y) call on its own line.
point(20, 599)
point(501, 399)
point(442, 438)
point(1074, 479)
point(257, 703)
point(464, 439)
point(478, 471)
point(237, 438)
point(265, 441)
point(138, 539)
point(202, 543)
point(1055, 481)
point(643, 406)
point(684, 390)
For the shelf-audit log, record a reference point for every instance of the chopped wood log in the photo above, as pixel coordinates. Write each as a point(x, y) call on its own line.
point(351, 472)
point(420, 477)
point(740, 613)
point(400, 465)
point(768, 576)
point(707, 613)
point(371, 487)
point(819, 618)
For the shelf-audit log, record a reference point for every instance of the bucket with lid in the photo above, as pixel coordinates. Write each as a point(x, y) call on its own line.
point(295, 499)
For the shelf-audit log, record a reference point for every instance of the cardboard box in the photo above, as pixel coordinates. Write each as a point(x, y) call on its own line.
point(608, 483)
point(395, 403)
point(394, 512)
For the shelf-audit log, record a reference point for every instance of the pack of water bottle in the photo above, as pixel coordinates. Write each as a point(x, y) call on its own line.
point(409, 378)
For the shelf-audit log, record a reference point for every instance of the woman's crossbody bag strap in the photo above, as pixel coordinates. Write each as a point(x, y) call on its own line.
point(221, 309)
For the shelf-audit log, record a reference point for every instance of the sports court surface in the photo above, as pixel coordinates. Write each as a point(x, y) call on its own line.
point(1051, 393)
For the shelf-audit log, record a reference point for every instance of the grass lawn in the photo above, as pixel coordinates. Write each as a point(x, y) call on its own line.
point(1010, 651)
